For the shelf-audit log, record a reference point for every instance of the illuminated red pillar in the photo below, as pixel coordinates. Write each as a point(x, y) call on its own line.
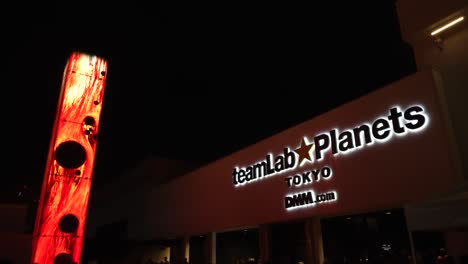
point(61, 216)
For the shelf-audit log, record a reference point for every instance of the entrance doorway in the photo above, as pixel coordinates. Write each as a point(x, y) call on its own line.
point(288, 243)
point(197, 251)
point(238, 247)
point(367, 238)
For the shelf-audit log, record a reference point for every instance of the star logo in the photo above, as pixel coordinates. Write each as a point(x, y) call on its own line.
point(304, 151)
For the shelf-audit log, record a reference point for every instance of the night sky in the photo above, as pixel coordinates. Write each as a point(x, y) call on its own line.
point(189, 80)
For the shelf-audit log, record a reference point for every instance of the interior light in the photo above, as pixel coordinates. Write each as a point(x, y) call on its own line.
point(388, 213)
point(447, 26)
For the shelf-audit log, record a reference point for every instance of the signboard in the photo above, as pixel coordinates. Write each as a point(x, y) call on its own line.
point(396, 123)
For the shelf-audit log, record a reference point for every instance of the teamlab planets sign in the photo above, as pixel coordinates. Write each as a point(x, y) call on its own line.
point(397, 122)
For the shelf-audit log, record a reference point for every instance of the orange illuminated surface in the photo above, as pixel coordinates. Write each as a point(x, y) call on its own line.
point(61, 216)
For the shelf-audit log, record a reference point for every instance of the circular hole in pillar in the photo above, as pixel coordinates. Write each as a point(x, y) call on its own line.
point(90, 121)
point(63, 258)
point(69, 223)
point(70, 154)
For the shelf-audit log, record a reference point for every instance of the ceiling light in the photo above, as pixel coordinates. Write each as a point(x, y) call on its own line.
point(447, 26)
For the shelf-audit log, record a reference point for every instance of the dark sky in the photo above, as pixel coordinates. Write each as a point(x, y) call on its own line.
point(188, 79)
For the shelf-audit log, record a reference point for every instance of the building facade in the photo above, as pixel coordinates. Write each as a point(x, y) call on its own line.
point(378, 177)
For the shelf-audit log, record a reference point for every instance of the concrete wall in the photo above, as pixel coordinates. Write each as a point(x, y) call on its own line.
point(449, 55)
point(126, 197)
point(15, 244)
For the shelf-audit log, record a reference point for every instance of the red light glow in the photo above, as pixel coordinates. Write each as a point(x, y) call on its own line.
point(61, 215)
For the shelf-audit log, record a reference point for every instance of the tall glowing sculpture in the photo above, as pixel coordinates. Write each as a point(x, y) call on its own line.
point(60, 221)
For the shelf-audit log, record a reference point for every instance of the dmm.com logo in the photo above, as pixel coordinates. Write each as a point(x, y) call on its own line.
point(396, 122)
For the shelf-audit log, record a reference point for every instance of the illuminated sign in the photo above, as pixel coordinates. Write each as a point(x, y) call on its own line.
point(396, 122)
point(265, 168)
point(381, 130)
point(309, 177)
point(308, 198)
